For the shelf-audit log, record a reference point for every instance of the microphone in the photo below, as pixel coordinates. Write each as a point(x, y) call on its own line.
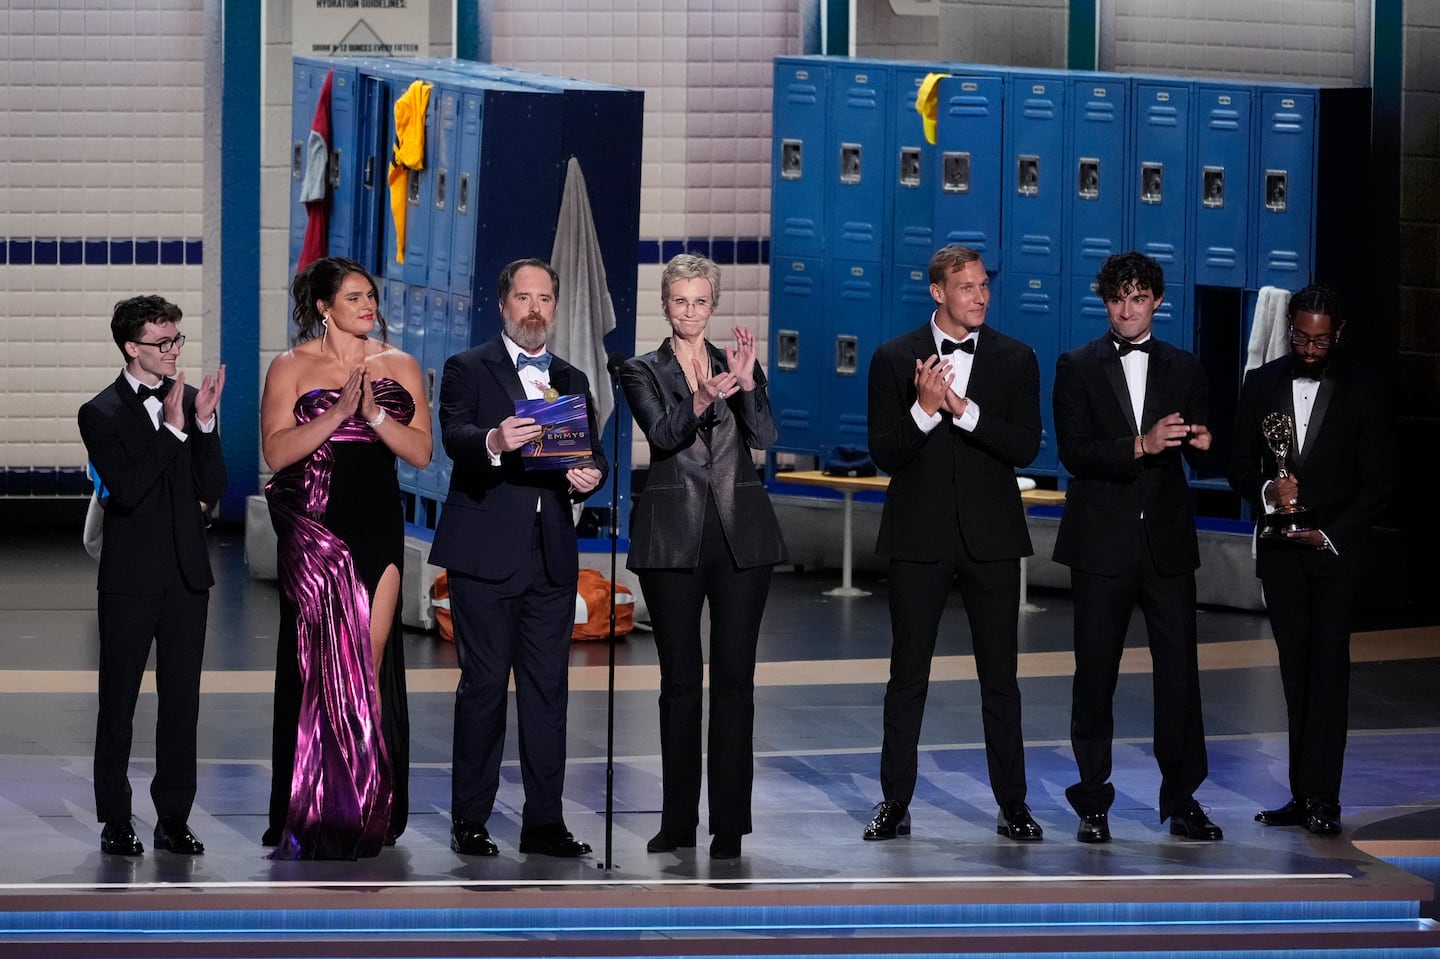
point(614, 363)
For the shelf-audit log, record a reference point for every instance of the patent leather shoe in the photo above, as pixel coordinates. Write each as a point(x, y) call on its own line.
point(1322, 818)
point(471, 838)
point(1191, 822)
point(271, 836)
point(1094, 827)
point(556, 841)
point(1290, 814)
point(890, 820)
point(1015, 822)
point(725, 845)
point(173, 835)
point(118, 839)
point(667, 840)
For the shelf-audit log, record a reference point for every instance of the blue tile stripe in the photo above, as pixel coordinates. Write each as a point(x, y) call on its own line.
point(45, 481)
point(101, 251)
point(721, 249)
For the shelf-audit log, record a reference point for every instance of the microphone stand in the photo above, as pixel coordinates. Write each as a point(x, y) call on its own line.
point(613, 368)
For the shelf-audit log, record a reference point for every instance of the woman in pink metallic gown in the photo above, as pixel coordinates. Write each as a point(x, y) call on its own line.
point(336, 412)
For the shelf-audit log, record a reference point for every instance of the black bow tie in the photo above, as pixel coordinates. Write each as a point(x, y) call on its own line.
point(950, 346)
point(1125, 346)
point(145, 392)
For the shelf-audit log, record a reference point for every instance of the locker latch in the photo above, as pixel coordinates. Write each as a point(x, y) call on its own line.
point(792, 159)
point(955, 171)
point(462, 202)
point(1277, 189)
point(910, 166)
point(440, 189)
point(1088, 183)
point(1027, 175)
point(787, 349)
point(1152, 182)
point(297, 161)
point(849, 163)
point(334, 171)
point(847, 352)
point(1213, 183)
point(412, 187)
point(369, 172)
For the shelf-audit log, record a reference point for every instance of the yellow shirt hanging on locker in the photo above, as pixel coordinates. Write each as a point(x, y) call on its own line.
point(407, 154)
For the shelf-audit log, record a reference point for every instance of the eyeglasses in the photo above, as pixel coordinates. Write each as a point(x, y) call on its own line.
point(681, 305)
point(1322, 342)
point(165, 345)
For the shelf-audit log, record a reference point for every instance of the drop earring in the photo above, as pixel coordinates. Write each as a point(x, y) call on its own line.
point(325, 322)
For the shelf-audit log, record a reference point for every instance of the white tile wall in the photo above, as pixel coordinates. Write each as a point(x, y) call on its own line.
point(100, 114)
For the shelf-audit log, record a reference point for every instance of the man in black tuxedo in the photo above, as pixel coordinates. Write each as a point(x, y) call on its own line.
point(1130, 412)
point(1339, 469)
point(954, 410)
point(154, 443)
point(507, 538)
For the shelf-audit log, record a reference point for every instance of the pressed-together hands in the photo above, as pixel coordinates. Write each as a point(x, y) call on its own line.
point(933, 377)
point(207, 399)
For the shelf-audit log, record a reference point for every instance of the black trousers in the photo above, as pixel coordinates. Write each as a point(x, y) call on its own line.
point(918, 592)
point(737, 603)
point(522, 622)
point(1310, 617)
point(174, 620)
point(1103, 606)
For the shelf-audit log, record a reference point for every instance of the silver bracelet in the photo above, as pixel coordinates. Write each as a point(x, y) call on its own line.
point(376, 421)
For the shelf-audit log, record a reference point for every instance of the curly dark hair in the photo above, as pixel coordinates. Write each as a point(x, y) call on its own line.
point(1124, 272)
point(1318, 298)
point(128, 321)
point(319, 282)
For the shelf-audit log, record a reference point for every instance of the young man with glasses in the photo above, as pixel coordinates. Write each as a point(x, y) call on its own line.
point(154, 442)
point(1339, 468)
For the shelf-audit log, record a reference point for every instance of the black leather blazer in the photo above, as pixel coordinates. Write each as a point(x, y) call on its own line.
point(693, 458)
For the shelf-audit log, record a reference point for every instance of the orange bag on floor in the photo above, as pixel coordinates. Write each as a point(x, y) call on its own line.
point(594, 593)
point(440, 605)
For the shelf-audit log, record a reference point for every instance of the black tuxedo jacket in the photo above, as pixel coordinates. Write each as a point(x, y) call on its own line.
point(693, 458)
point(490, 510)
point(1344, 471)
point(951, 483)
point(1110, 490)
point(157, 484)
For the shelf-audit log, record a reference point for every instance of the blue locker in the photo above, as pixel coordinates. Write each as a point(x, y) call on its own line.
point(1034, 190)
point(432, 365)
point(967, 195)
point(1220, 206)
point(372, 197)
point(797, 351)
point(422, 220)
point(912, 173)
point(442, 161)
point(1285, 196)
point(392, 307)
point(856, 199)
point(798, 178)
point(1085, 315)
point(856, 295)
point(908, 293)
point(398, 80)
point(1098, 148)
point(1034, 315)
point(1174, 321)
point(344, 168)
point(1160, 176)
point(308, 76)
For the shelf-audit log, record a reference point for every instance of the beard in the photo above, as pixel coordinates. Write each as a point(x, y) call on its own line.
point(529, 332)
point(1313, 371)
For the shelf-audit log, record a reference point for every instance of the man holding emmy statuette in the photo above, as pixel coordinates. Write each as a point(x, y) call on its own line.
point(1312, 456)
point(517, 421)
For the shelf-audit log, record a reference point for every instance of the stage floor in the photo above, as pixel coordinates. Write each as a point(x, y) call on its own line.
point(818, 727)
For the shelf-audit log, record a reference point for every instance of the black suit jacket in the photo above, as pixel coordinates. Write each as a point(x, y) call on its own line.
point(490, 510)
point(951, 483)
point(1344, 471)
point(693, 458)
point(157, 484)
point(1110, 489)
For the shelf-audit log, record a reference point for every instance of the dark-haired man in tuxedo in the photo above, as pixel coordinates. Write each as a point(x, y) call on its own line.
point(1130, 412)
point(954, 410)
point(155, 445)
point(507, 538)
point(1339, 470)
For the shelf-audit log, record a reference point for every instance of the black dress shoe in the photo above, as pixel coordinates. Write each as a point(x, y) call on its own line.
point(471, 838)
point(668, 841)
point(725, 845)
point(1094, 827)
point(557, 842)
point(890, 820)
point(1016, 822)
point(173, 835)
point(1191, 822)
point(271, 836)
point(118, 839)
point(1290, 814)
point(1322, 818)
